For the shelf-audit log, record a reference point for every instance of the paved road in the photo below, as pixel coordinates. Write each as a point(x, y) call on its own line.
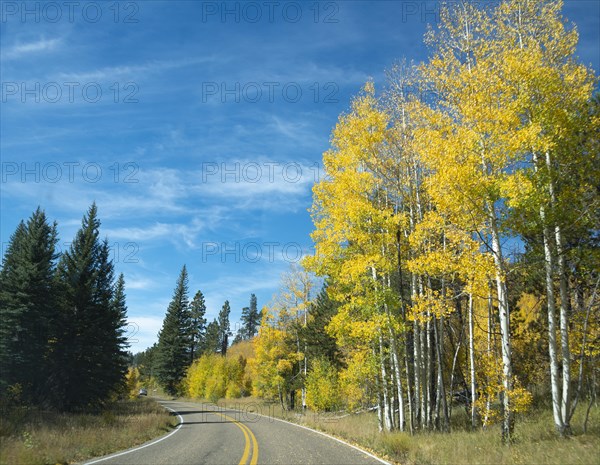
point(210, 435)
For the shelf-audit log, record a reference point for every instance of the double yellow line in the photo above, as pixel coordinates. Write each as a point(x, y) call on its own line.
point(251, 443)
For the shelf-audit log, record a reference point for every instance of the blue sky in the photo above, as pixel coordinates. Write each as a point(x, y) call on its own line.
point(197, 127)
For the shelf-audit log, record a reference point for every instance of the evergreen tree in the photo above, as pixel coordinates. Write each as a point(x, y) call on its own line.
point(197, 325)
point(120, 358)
point(238, 337)
point(87, 357)
point(212, 342)
point(27, 306)
point(72, 355)
point(224, 330)
point(172, 355)
point(10, 308)
point(145, 363)
point(243, 331)
point(319, 344)
point(15, 245)
point(250, 319)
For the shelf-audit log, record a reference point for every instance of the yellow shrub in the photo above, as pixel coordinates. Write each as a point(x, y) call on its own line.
point(133, 382)
point(214, 377)
point(322, 387)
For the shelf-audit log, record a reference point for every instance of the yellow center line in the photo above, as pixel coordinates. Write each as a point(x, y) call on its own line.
point(250, 439)
point(254, 459)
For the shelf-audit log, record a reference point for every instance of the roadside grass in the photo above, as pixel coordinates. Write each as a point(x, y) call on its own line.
point(535, 441)
point(34, 437)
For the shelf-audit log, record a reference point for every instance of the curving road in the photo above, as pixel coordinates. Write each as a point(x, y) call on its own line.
point(210, 435)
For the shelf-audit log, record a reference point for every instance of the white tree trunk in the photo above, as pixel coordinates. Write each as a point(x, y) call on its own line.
point(565, 407)
point(417, 373)
point(305, 361)
point(426, 356)
point(387, 414)
point(440, 403)
point(490, 328)
point(472, 364)
point(417, 363)
point(398, 376)
point(552, 345)
point(379, 400)
point(504, 314)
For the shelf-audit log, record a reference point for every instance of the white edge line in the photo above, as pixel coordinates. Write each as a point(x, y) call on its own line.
point(314, 431)
point(108, 457)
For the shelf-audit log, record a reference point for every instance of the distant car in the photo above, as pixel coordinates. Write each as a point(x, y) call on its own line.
point(143, 392)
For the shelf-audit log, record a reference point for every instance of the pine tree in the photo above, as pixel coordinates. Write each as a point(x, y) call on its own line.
point(238, 337)
point(71, 358)
point(197, 325)
point(320, 344)
point(172, 355)
point(212, 343)
point(224, 330)
point(250, 319)
point(88, 355)
point(84, 358)
point(242, 334)
point(109, 321)
point(145, 362)
point(119, 358)
point(27, 294)
point(255, 317)
point(9, 306)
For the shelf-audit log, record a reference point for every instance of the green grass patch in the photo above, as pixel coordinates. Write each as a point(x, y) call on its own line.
point(31, 436)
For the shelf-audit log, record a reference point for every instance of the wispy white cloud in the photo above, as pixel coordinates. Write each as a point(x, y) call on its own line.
point(292, 130)
point(174, 206)
point(157, 230)
point(21, 50)
point(218, 290)
point(176, 233)
point(129, 71)
point(140, 283)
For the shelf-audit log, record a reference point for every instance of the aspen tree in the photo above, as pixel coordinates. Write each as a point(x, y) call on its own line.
point(537, 51)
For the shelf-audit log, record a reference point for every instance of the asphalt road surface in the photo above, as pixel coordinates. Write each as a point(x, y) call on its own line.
point(210, 435)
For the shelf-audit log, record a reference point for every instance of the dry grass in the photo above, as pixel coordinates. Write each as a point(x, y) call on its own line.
point(32, 437)
point(535, 440)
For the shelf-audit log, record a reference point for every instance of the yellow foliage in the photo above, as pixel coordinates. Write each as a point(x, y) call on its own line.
point(322, 387)
point(527, 312)
point(214, 377)
point(275, 356)
point(431, 303)
point(357, 379)
point(133, 382)
point(244, 348)
point(431, 187)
